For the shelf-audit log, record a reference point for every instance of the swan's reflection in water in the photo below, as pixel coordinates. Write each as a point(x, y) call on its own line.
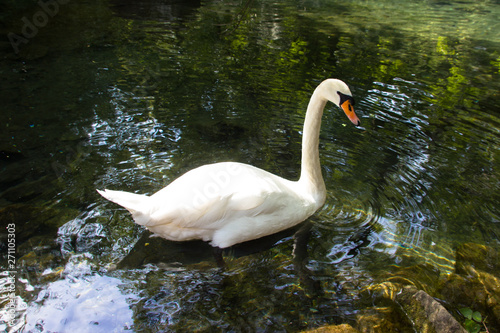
point(164, 253)
point(172, 256)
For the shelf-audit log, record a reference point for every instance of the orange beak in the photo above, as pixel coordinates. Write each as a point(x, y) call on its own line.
point(349, 111)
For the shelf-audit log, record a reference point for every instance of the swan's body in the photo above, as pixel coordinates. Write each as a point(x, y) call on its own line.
point(229, 203)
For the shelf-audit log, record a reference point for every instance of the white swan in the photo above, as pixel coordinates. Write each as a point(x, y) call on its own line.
point(228, 203)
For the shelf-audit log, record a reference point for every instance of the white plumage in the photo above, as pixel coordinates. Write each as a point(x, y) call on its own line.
point(228, 203)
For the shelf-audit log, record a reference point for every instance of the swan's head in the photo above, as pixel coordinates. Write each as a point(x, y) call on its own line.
point(337, 92)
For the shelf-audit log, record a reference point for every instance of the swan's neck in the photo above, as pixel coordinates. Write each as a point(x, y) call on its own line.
point(310, 176)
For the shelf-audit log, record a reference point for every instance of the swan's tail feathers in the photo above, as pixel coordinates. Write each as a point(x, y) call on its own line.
point(134, 203)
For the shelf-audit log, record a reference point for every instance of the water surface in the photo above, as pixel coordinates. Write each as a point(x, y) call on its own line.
point(130, 95)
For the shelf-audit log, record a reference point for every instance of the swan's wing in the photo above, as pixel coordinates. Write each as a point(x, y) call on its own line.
point(207, 198)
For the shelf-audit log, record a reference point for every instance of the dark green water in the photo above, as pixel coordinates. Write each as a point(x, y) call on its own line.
point(130, 95)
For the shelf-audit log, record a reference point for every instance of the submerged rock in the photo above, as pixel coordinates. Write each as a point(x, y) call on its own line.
point(427, 314)
point(344, 328)
point(382, 319)
point(481, 257)
point(419, 309)
point(475, 284)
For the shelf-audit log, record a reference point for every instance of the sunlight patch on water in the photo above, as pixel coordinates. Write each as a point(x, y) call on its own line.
point(81, 302)
point(421, 243)
point(429, 20)
point(395, 236)
point(139, 140)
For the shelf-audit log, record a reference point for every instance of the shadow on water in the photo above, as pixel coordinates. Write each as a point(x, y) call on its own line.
point(156, 250)
point(171, 10)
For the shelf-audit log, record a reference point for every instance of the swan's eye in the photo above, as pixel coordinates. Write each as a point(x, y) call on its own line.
point(344, 97)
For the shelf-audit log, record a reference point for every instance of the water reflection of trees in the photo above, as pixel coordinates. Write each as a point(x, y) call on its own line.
point(415, 94)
